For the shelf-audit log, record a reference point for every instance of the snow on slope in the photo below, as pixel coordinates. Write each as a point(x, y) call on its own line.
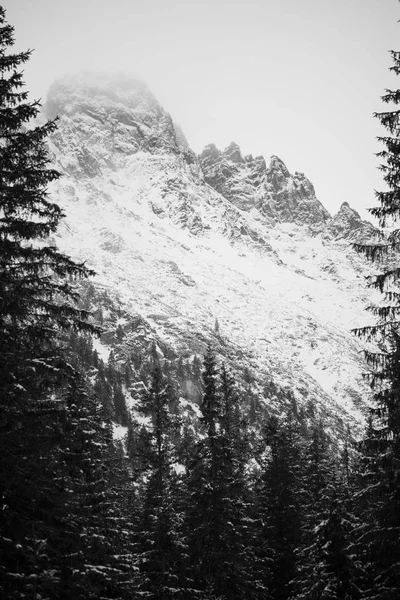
point(181, 255)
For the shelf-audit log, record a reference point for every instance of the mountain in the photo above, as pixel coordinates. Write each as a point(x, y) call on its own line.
point(272, 191)
point(218, 247)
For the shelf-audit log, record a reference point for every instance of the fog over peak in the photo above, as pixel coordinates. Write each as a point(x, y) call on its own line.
point(105, 87)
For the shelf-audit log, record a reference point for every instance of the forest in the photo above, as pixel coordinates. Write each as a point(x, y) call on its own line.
point(232, 502)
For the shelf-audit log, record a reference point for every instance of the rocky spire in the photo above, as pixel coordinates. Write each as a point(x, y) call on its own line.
point(273, 191)
point(347, 224)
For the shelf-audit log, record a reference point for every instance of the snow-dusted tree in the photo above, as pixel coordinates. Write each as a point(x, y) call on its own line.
point(220, 540)
point(325, 567)
point(36, 280)
point(155, 405)
point(280, 504)
point(161, 542)
point(90, 536)
point(37, 305)
point(382, 533)
point(211, 403)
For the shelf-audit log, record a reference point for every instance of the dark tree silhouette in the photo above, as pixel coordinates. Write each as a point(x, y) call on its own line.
point(37, 305)
point(379, 537)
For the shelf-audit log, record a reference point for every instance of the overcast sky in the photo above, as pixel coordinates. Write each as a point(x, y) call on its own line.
point(295, 78)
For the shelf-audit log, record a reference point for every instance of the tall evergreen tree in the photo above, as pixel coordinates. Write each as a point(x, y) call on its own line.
point(211, 402)
point(160, 542)
point(325, 566)
point(382, 532)
point(93, 540)
point(37, 305)
point(220, 542)
point(36, 288)
point(280, 504)
point(319, 474)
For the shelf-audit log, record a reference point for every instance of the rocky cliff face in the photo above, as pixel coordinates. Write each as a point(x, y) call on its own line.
point(112, 126)
point(348, 225)
point(180, 242)
point(115, 118)
point(277, 195)
point(249, 184)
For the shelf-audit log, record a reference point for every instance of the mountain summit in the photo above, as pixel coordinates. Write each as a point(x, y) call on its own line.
point(181, 242)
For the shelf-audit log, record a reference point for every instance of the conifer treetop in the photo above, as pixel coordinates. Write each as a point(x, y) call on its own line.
point(38, 291)
point(384, 252)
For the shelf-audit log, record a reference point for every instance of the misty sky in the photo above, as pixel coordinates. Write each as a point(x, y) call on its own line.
point(295, 78)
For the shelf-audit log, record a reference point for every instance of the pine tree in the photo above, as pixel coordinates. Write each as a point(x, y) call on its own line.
point(240, 578)
point(160, 542)
point(280, 505)
point(319, 472)
point(220, 547)
point(367, 483)
point(37, 305)
point(94, 536)
point(36, 288)
point(120, 407)
point(381, 534)
point(325, 566)
point(211, 403)
point(155, 404)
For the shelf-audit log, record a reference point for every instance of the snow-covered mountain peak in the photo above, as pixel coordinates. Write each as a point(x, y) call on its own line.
point(347, 224)
point(233, 153)
point(117, 86)
point(181, 242)
point(116, 116)
point(74, 92)
point(278, 166)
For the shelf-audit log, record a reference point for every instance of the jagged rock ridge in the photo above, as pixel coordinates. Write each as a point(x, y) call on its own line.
point(248, 183)
point(180, 241)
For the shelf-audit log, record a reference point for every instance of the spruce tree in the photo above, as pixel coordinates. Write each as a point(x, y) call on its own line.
point(325, 566)
point(239, 575)
point(280, 505)
point(211, 402)
point(120, 407)
point(161, 543)
point(381, 534)
point(37, 293)
point(37, 305)
point(220, 540)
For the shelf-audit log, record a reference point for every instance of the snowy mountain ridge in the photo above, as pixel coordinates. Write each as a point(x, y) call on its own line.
point(182, 242)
